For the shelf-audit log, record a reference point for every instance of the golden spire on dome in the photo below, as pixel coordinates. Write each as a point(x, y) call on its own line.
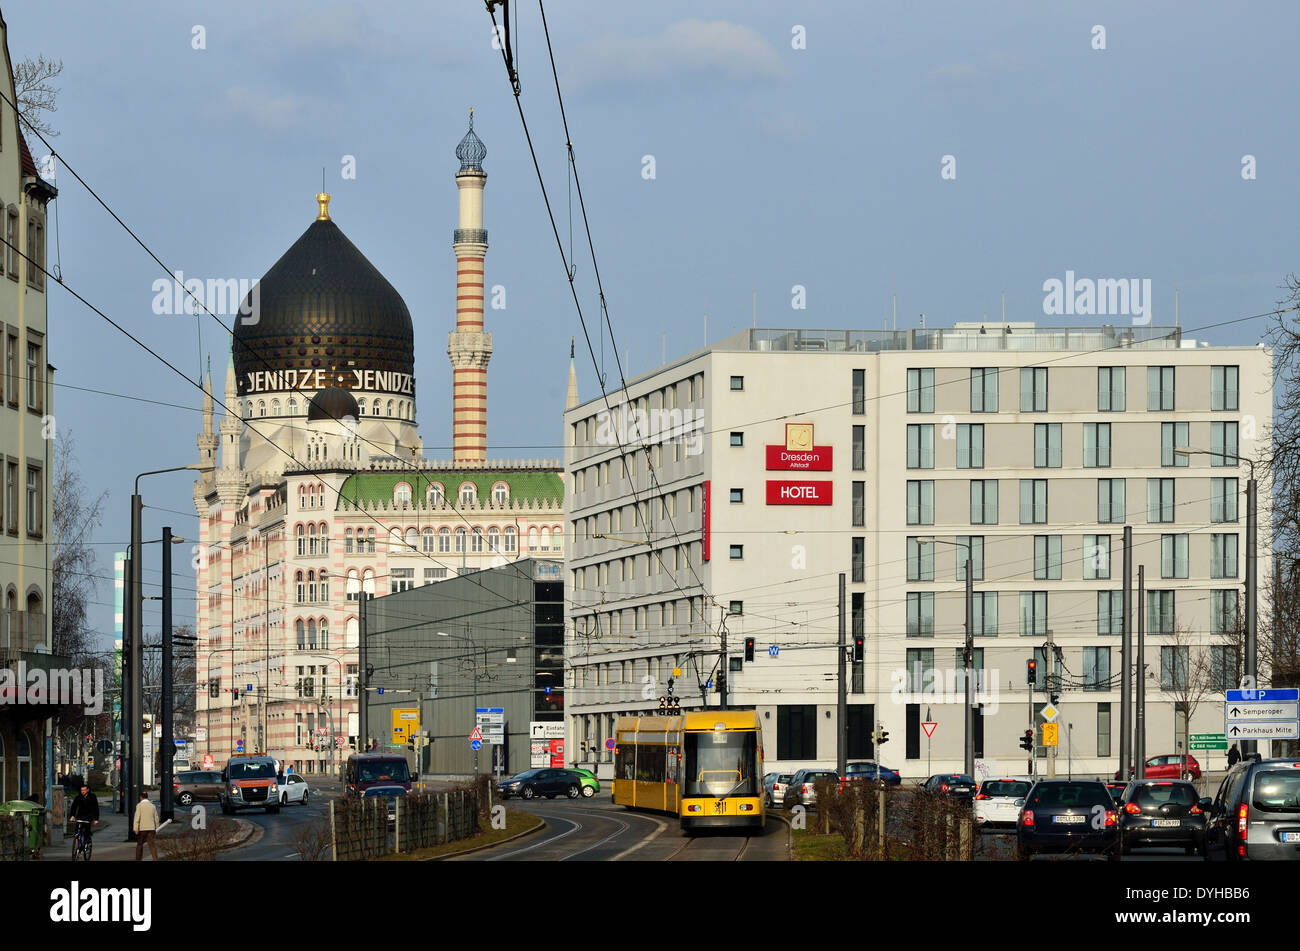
point(323, 199)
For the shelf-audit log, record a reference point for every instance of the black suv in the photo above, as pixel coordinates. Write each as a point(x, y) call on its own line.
point(1162, 812)
point(1256, 812)
point(1063, 815)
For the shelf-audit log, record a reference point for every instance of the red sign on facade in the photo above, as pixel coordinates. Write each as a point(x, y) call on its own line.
point(816, 459)
point(789, 492)
point(705, 508)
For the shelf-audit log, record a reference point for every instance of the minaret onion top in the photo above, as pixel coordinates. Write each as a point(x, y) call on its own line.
point(471, 150)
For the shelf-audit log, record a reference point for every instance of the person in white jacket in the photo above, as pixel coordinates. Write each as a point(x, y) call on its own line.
point(146, 825)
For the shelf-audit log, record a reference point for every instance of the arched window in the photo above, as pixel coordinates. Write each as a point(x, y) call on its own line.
point(368, 583)
point(324, 586)
point(302, 496)
point(428, 539)
point(370, 540)
point(361, 407)
point(374, 408)
point(323, 631)
point(532, 539)
point(510, 538)
point(302, 541)
point(500, 494)
point(390, 408)
point(394, 540)
point(460, 541)
point(444, 540)
point(301, 631)
point(261, 407)
point(324, 539)
point(293, 406)
point(494, 539)
point(324, 452)
point(311, 539)
point(351, 637)
point(478, 541)
point(311, 634)
point(412, 539)
point(311, 586)
point(302, 588)
point(275, 407)
point(402, 494)
point(546, 539)
point(436, 495)
point(467, 494)
point(557, 538)
point(353, 585)
point(347, 542)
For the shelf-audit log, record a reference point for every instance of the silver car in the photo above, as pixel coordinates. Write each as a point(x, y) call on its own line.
point(1256, 812)
point(774, 788)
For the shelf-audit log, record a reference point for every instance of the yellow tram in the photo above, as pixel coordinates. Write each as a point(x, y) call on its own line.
point(704, 767)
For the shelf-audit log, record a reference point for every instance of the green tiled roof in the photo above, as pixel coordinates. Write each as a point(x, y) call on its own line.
point(376, 488)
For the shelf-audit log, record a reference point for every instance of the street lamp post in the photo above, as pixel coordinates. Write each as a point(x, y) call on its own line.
point(471, 643)
point(968, 656)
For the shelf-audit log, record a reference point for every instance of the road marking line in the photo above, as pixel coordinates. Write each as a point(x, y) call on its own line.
point(576, 827)
point(646, 841)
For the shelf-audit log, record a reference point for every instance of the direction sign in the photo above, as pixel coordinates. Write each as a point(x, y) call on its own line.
point(1208, 741)
point(1260, 710)
point(491, 721)
point(1264, 730)
point(1274, 694)
point(929, 728)
point(1049, 713)
point(1051, 734)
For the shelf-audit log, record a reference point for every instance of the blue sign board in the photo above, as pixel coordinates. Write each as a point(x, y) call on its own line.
point(248, 688)
point(476, 744)
point(609, 744)
point(239, 746)
point(381, 691)
point(1282, 693)
point(709, 685)
point(773, 651)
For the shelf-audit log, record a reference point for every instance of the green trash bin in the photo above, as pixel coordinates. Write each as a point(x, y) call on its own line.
point(33, 814)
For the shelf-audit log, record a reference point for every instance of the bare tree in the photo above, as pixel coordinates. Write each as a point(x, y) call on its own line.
point(1186, 672)
point(36, 93)
point(76, 516)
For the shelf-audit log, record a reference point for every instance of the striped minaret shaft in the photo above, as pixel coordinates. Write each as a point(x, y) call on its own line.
point(468, 346)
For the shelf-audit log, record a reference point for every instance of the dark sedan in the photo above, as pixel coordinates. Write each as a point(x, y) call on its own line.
point(1062, 815)
point(870, 771)
point(541, 782)
point(1162, 812)
point(952, 785)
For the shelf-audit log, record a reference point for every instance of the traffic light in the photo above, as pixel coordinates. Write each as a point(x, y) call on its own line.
point(749, 649)
point(1055, 698)
point(1031, 672)
point(884, 737)
point(663, 703)
point(858, 643)
point(1027, 741)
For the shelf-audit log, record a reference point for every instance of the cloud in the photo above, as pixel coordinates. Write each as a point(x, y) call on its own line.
point(688, 47)
point(965, 80)
point(271, 112)
point(784, 125)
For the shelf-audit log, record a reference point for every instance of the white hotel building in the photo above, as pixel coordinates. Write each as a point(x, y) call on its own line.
point(1031, 448)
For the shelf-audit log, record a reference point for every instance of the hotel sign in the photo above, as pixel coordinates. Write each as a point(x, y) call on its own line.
point(799, 454)
point(799, 492)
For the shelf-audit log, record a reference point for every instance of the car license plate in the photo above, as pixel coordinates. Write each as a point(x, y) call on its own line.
point(1291, 836)
point(1070, 820)
point(1166, 823)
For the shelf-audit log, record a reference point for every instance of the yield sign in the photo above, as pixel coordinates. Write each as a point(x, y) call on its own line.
point(476, 735)
point(929, 728)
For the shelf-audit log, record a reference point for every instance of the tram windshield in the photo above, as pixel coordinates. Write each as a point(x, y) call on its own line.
point(721, 764)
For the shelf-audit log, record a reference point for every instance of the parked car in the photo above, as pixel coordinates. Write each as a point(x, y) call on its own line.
point(1169, 766)
point(293, 788)
point(951, 785)
point(996, 801)
point(870, 771)
point(1256, 812)
point(774, 785)
point(1162, 812)
point(1064, 815)
point(550, 782)
point(590, 784)
point(196, 786)
point(801, 791)
point(392, 793)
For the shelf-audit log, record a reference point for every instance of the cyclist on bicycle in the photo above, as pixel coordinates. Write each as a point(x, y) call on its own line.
point(85, 806)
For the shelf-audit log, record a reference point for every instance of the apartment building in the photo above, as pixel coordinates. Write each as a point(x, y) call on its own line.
point(729, 490)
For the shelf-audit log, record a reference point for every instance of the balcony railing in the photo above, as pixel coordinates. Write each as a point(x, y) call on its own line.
point(992, 337)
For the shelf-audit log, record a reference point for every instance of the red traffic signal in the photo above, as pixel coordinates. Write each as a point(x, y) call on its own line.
point(749, 649)
point(859, 648)
point(1031, 671)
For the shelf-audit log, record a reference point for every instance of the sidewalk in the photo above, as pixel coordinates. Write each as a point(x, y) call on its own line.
point(110, 842)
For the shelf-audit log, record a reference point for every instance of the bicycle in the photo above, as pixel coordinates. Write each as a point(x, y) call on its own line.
point(81, 843)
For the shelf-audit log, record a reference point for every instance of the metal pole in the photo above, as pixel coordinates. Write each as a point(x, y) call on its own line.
point(168, 729)
point(1126, 674)
point(968, 763)
point(1140, 726)
point(363, 696)
point(124, 731)
point(842, 694)
point(1053, 684)
point(266, 632)
point(722, 662)
point(1069, 750)
point(1252, 606)
point(136, 724)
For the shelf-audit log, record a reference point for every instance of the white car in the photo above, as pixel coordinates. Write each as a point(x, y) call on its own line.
point(293, 788)
point(996, 801)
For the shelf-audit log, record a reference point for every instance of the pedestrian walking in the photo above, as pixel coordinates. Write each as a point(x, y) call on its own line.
point(146, 824)
point(1234, 756)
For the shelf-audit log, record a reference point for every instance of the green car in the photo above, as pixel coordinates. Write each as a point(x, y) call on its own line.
point(590, 785)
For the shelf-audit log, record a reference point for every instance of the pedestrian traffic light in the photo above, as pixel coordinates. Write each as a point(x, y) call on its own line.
point(858, 646)
point(749, 649)
point(884, 737)
point(1031, 672)
point(1027, 741)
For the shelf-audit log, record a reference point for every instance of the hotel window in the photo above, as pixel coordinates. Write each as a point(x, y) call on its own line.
point(859, 448)
point(1033, 389)
point(920, 391)
point(1223, 556)
point(1174, 667)
point(859, 392)
point(737, 552)
point(1223, 612)
point(1223, 500)
point(1033, 614)
point(1103, 729)
point(738, 439)
point(1110, 612)
point(984, 501)
point(970, 445)
point(920, 668)
point(984, 611)
point(920, 614)
point(984, 390)
point(1033, 501)
point(1047, 445)
point(1224, 668)
point(1160, 500)
point(1096, 445)
point(920, 560)
point(1110, 389)
point(920, 503)
point(1160, 388)
point(972, 547)
point(1223, 444)
point(1160, 612)
point(736, 607)
point(976, 666)
point(35, 510)
point(1173, 436)
point(1096, 557)
point(1110, 501)
point(33, 376)
point(859, 506)
point(1223, 388)
point(859, 559)
point(920, 446)
point(737, 382)
point(737, 495)
point(1096, 668)
point(1173, 556)
point(1047, 557)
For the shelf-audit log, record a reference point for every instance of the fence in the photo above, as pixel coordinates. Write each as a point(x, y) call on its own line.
point(358, 828)
point(428, 819)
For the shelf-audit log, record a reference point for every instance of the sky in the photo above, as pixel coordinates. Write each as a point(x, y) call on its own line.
point(940, 154)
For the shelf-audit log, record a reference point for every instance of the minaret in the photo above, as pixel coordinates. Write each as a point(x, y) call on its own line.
point(571, 397)
point(230, 478)
point(208, 443)
point(468, 346)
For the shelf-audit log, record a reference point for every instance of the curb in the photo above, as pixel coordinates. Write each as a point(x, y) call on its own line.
point(491, 845)
point(789, 832)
